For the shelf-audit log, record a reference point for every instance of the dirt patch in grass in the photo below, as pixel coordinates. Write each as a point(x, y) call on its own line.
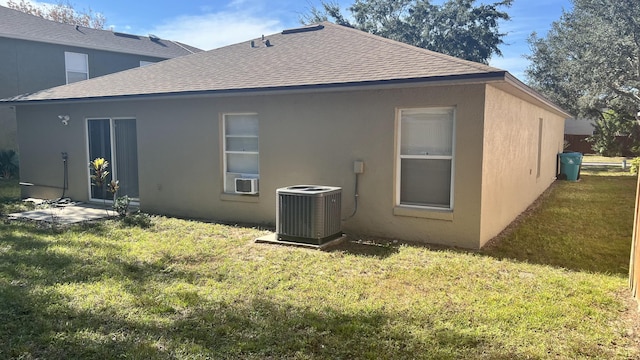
point(629, 317)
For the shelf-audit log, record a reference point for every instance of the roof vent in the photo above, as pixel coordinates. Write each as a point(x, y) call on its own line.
point(153, 37)
point(267, 43)
point(131, 36)
point(253, 44)
point(303, 29)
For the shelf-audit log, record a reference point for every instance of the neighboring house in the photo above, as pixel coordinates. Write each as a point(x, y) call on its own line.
point(37, 54)
point(453, 150)
point(576, 132)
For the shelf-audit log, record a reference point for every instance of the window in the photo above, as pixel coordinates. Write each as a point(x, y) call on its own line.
point(77, 66)
point(241, 156)
point(425, 163)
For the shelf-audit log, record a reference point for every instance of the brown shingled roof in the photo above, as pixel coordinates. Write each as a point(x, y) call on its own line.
point(317, 56)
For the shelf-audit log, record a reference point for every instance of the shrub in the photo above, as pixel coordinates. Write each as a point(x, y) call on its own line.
point(9, 164)
point(137, 219)
point(635, 165)
point(121, 205)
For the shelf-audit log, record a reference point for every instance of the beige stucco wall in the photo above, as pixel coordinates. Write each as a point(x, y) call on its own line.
point(310, 138)
point(510, 181)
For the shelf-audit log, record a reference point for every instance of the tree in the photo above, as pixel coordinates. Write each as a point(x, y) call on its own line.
point(62, 12)
point(608, 130)
point(456, 28)
point(590, 59)
point(589, 63)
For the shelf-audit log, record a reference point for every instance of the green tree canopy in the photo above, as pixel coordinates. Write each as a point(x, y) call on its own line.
point(590, 59)
point(62, 12)
point(457, 27)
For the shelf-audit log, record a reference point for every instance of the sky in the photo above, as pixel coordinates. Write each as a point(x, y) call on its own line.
point(215, 23)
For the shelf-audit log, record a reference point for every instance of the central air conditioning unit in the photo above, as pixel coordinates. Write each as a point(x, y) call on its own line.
point(246, 186)
point(308, 213)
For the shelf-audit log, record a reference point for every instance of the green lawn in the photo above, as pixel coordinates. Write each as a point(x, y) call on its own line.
point(592, 158)
point(554, 287)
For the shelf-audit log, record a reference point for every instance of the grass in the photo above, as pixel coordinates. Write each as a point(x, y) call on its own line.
point(191, 290)
point(602, 159)
point(582, 226)
point(604, 170)
point(10, 197)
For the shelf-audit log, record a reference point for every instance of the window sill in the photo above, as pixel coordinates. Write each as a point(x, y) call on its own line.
point(240, 198)
point(446, 215)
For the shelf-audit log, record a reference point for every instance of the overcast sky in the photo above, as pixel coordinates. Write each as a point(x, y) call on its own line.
point(212, 24)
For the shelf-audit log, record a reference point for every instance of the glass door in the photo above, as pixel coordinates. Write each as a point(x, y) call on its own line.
point(115, 141)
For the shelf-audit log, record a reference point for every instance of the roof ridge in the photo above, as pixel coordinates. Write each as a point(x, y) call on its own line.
point(39, 18)
point(476, 65)
point(182, 46)
point(15, 24)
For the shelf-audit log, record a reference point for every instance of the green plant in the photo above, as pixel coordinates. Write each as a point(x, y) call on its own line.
point(99, 172)
point(99, 175)
point(607, 128)
point(138, 219)
point(9, 164)
point(121, 205)
point(635, 165)
point(113, 186)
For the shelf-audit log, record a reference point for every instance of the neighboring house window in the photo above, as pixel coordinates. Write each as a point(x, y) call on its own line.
point(145, 63)
point(425, 157)
point(77, 66)
point(241, 156)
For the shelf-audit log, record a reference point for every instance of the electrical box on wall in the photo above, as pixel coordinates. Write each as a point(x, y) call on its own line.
point(358, 166)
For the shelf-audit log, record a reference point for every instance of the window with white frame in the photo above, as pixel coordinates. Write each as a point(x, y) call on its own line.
point(425, 157)
point(241, 156)
point(77, 66)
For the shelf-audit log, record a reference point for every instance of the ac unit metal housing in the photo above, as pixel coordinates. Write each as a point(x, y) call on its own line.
point(246, 186)
point(308, 213)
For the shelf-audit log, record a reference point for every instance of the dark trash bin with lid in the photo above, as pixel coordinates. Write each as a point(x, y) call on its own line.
point(570, 166)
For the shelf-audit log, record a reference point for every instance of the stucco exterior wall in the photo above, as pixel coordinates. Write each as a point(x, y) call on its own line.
point(29, 66)
point(8, 128)
point(310, 138)
point(510, 181)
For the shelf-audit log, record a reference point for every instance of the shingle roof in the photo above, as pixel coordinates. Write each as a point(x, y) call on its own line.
point(18, 25)
point(322, 55)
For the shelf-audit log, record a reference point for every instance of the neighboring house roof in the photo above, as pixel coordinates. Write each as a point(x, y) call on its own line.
point(324, 55)
point(578, 127)
point(18, 25)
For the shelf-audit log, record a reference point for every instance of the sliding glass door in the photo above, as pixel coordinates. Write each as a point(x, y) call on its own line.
point(115, 141)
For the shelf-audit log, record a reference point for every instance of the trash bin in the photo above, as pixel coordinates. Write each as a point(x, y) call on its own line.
point(570, 166)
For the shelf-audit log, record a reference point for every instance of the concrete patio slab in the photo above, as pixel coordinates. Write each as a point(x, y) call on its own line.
point(273, 239)
point(65, 215)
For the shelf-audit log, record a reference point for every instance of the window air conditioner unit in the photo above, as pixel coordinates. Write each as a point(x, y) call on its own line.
point(246, 186)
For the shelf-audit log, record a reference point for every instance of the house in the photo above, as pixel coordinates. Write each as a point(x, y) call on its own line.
point(37, 54)
point(452, 150)
point(576, 133)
